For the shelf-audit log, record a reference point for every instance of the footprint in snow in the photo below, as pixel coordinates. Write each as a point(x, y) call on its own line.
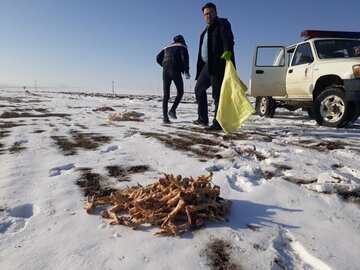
point(58, 170)
point(347, 173)
point(234, 183)
point(110, 149)
point(15, 219)
point(22, 141)
point(291, 253)
point(215, 168)
point(240, 183)
point(245, 180)
point(341, 180)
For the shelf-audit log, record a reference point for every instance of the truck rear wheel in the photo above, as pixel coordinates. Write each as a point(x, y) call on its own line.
point(265, 106)
point(331, 108)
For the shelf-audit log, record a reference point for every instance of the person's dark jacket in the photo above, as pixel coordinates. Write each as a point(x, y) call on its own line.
point(174, 57)
point(220, 39)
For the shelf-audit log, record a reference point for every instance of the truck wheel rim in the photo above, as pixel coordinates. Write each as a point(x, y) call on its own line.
point(332, 109)
point(263, 105)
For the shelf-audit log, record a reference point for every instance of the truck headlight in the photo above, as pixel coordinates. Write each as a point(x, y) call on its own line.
point(356, 70)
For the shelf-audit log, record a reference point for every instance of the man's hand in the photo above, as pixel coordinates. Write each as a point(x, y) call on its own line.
point(226, 55)
point(187, 76)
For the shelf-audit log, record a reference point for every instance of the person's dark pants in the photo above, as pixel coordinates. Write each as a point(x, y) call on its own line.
point(204, 81)
point(169, 76)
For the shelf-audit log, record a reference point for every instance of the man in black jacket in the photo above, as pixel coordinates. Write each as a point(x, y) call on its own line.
point(216, 46)
point(175, 60)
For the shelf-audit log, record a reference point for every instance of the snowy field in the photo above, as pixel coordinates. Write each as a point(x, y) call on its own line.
point(294, 186)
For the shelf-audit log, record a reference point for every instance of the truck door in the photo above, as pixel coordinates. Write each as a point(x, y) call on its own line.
point(299, 76)
point(268, 76)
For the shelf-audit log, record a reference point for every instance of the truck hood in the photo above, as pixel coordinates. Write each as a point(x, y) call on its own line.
point(343, 67)
point(338, 61)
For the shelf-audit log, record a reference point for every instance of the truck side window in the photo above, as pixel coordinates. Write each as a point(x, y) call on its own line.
point(270, 56)
point(303, 55)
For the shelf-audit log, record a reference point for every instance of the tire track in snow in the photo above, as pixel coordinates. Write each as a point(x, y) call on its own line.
point(293, 255)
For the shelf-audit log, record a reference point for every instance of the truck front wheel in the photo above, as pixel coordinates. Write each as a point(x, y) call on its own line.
point(331, 108)
point(265, 106)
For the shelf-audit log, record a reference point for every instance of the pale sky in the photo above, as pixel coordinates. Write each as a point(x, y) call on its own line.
point(86, 44)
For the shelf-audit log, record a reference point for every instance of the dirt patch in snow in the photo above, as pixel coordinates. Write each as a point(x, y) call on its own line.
point(39, 131)
point(79, 140)
point(299, 181)
point(30, 115)
point(5, 128)
point(95, 184)
point(352, 198)
point(2, 150)
point(250, 152)
point(122, 174)
point(16, 148)
point(218, 254)
point(321, 145)
point(196, 145)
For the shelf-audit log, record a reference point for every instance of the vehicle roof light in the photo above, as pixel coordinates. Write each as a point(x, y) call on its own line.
point(320, 33)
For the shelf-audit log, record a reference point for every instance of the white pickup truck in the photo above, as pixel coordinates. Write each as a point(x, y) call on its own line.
point(320, 74)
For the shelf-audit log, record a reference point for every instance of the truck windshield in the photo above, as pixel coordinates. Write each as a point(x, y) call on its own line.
point(337, 48)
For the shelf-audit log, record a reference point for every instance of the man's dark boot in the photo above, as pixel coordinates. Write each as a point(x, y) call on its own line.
point(214, 127)
point(166, 120)
point(172, 114)
point(200, 122)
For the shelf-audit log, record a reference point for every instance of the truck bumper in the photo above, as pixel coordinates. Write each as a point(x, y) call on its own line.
point(352, 89)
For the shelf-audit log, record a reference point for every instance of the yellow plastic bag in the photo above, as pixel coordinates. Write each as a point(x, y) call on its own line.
point(234, 106)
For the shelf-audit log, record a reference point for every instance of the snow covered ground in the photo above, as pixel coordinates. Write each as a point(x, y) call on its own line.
point(294, 186)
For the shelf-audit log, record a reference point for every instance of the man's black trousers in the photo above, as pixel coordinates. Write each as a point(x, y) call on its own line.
point(204, 81)
point(170, 75)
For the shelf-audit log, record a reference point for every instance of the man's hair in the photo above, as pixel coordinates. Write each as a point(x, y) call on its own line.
point(209, 5)
point(180, 39)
